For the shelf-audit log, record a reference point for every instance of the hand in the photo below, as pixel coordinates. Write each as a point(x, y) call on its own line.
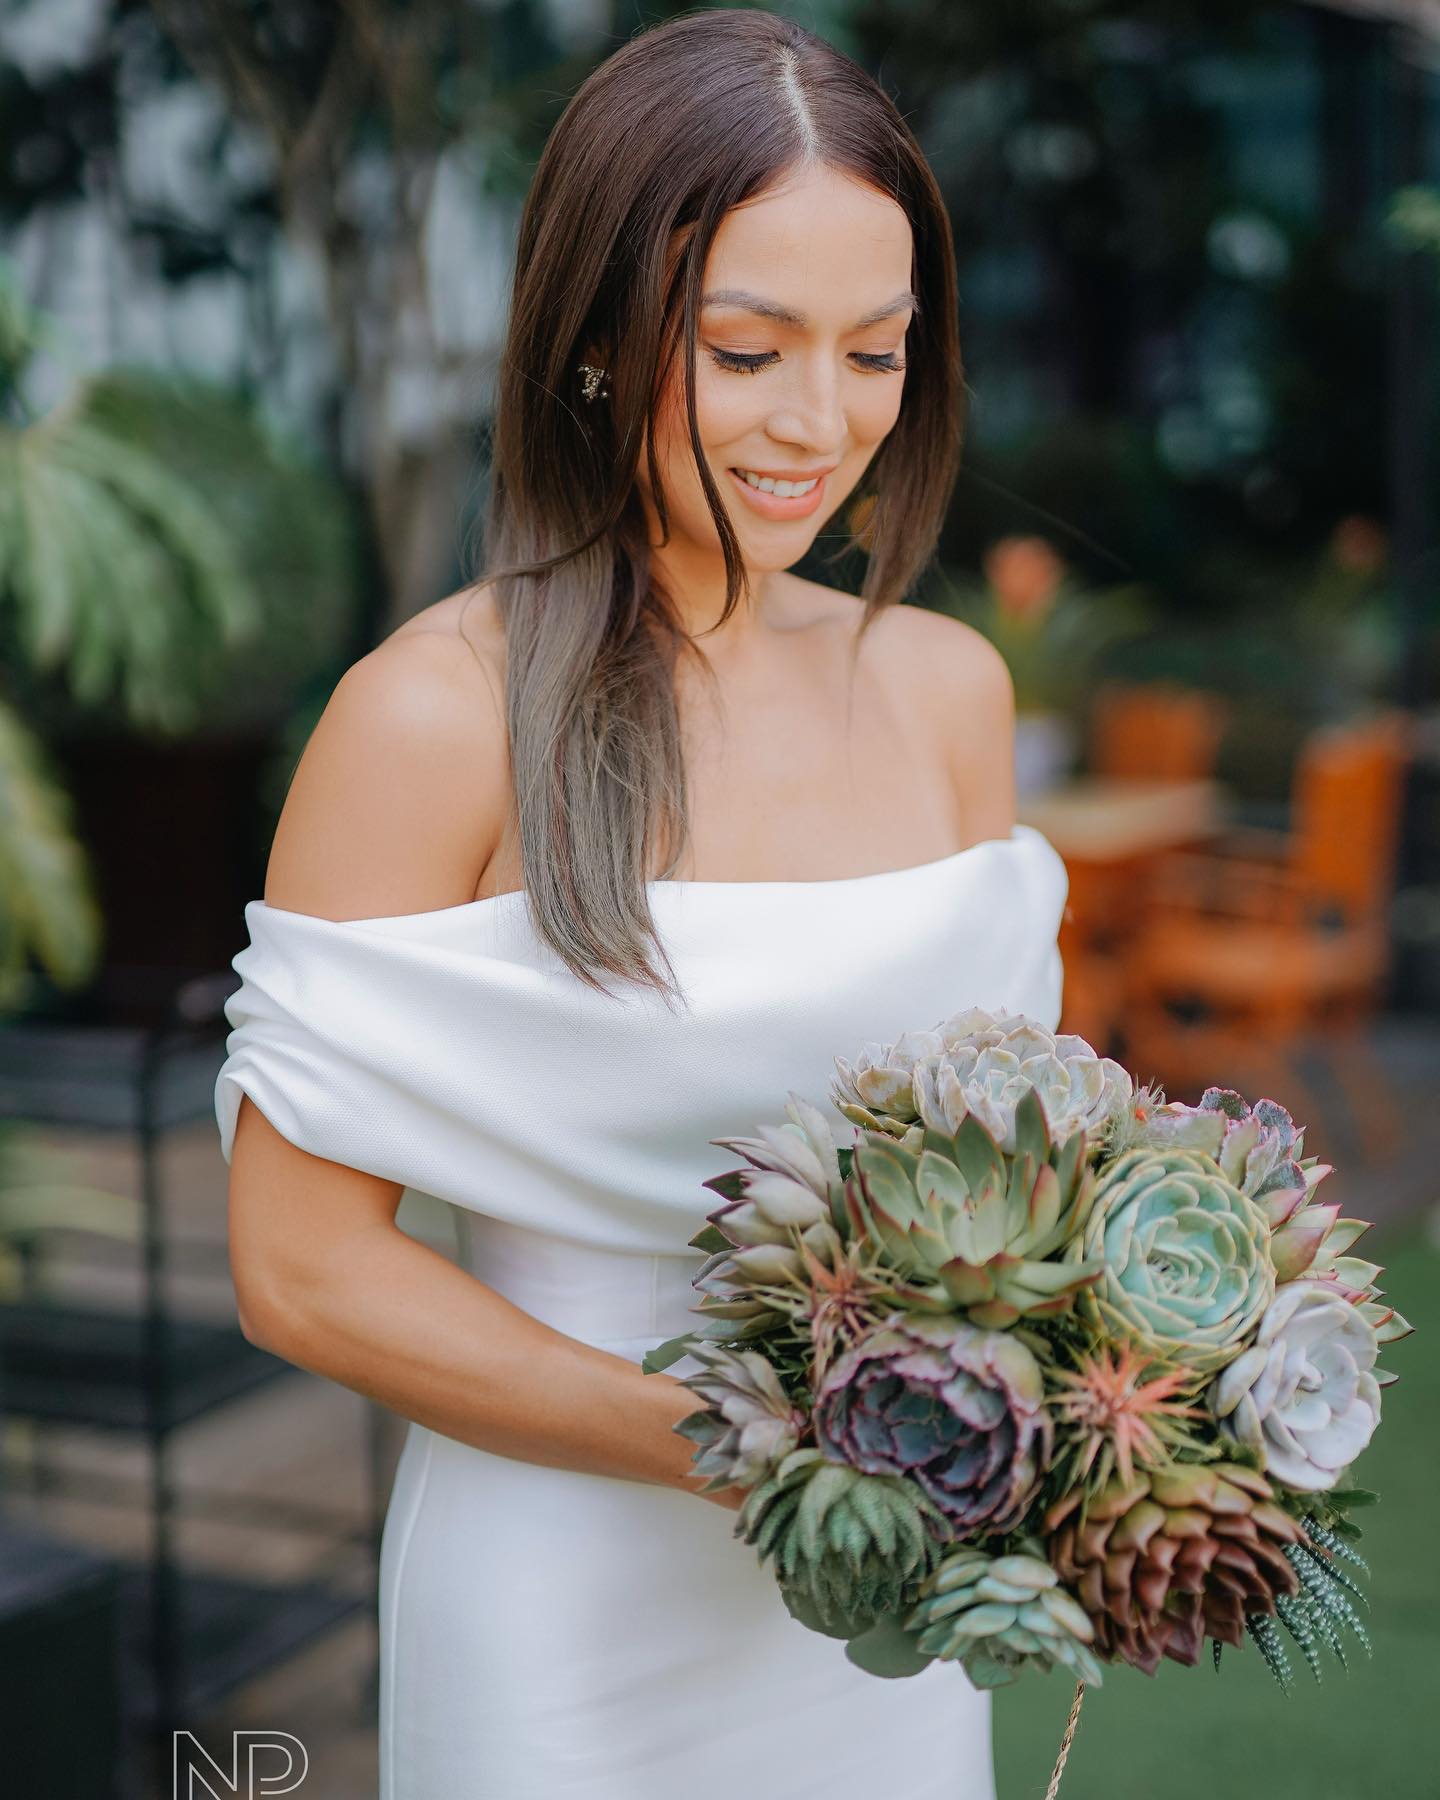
point(732, 1497)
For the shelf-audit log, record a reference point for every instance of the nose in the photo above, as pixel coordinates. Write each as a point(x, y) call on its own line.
point(811, 410)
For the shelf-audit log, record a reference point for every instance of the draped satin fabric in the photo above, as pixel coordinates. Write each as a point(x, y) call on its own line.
point(548, 1634)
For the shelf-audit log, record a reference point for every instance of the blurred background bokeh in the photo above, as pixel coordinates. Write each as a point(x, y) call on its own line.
point(253, 260)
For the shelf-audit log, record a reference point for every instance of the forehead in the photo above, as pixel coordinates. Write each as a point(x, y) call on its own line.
point(823, 244)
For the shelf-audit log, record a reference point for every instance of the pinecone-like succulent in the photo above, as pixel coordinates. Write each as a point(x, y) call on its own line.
point(959, 1409)
point(1175, 1558)
point(981, 1063)
point(1187, 1270)
point(750, 1424)
point(848, 1548)
point(972, 1227)
point(997, 1615)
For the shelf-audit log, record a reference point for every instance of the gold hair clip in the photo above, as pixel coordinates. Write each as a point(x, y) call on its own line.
point(596, 382)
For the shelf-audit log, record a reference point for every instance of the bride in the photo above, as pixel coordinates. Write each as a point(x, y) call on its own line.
point(588, 865)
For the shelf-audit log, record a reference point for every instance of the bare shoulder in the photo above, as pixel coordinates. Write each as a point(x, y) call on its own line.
point(966, 686)
point(399, 799)
point(961, 685)
point(961, 662)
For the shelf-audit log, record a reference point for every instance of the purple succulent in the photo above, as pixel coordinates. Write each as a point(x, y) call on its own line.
point(958, 1408)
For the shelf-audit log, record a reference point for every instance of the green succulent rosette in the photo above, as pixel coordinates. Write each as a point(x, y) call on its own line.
point(850, 1550)
point(998, 1615)
point(1187, 1269)
point(972, 1228)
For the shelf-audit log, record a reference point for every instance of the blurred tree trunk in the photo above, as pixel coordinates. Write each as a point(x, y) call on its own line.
point(352, 100)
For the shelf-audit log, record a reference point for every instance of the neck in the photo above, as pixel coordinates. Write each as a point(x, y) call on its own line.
point(694, 578)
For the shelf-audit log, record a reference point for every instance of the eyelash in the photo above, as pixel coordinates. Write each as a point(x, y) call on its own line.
point(752, 365)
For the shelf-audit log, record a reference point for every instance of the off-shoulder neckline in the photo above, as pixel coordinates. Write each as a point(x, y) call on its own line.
point(1021, 835)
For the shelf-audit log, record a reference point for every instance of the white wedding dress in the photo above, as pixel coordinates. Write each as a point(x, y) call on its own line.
point(553, 1635)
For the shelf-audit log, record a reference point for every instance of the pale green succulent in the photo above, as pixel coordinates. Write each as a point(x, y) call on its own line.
point(971, 1227)
point(998, 1615)
point(1186, 1258)
point(749, 1425)
point(1258, 1148)
point(794, 1178)
point(877, 1090)
point(980, 1063)
point(790, 1196)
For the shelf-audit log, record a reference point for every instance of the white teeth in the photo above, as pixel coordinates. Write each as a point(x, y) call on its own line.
point(767, 484)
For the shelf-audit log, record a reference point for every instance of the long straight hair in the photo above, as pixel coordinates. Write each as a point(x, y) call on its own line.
point(687, 120)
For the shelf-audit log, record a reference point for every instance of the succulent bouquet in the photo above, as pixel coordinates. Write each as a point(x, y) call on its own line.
point(1039, 1368)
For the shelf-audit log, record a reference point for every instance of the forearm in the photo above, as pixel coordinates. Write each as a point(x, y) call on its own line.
point(395, 1320)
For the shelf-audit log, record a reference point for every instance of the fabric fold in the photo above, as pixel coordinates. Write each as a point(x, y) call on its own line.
point(452, 1052)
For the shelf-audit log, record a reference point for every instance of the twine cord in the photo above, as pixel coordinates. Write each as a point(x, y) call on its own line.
point(1069, 1738)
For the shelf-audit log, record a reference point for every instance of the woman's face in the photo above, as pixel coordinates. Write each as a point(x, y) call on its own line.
point(800, 358)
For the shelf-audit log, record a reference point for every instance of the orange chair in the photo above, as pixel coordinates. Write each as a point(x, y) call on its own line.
point(1266, 940)
point(1158, 728)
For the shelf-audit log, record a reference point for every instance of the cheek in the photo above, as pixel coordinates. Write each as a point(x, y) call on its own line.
point(722, 415)
point(728, 413)
point(877, 407)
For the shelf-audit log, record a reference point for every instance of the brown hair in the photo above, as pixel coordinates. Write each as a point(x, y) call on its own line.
point(686, 121)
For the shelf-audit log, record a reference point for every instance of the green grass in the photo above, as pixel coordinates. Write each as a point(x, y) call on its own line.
point(1372, 1732)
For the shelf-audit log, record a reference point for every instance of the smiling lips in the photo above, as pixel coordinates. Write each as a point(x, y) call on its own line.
point(785, 503)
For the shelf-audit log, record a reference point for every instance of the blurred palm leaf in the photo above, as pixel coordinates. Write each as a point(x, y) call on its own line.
point(154, 528)
point(289, 529)
point(104, 550)
point(163, 553)
point(47, 906)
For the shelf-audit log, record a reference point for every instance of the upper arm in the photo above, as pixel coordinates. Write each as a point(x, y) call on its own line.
point(399, 798)
point(972, 697)
point(395, 806)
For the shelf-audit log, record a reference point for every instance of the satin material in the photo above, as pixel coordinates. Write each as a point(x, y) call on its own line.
point(553, 1635)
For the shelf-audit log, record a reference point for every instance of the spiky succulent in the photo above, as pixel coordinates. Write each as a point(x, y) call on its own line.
point(958, 1409)
point(997, 1615)
point(972, 1227)
point(1164, 1562)
point(1187, 1270)
point(849, 1293)
point(981, 1063)
point(1304, 1394)
point(749, 1425)
point(848, 1548)
point(787, 1200)
point(1116, 1411)
point(1320, 1612)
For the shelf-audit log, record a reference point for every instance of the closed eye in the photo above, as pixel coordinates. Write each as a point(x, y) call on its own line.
point(889, 362)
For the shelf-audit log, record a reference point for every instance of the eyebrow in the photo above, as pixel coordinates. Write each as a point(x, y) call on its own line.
point(771, 309)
